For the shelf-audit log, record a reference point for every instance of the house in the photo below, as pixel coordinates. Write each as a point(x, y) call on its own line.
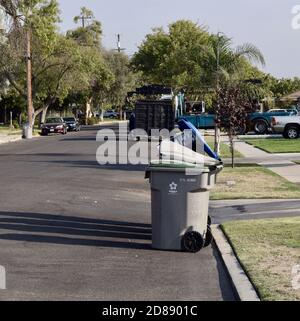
point(294, 98)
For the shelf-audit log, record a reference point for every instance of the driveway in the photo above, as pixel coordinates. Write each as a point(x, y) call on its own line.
point(73, 230)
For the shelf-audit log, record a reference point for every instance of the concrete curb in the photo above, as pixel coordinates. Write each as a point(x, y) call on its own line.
point(7, 139)
point(238, 277)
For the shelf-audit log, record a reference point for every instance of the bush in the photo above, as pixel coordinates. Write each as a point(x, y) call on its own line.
point(92, 121)
point(16, 124)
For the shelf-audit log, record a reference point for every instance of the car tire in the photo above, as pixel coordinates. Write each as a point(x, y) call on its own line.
point(260, 127)
point(292, 132)
point(285, 135)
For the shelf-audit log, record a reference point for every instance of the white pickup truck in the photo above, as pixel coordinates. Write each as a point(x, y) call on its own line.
point(288, 126)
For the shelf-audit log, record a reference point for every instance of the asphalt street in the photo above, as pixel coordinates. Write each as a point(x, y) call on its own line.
point(71, 229)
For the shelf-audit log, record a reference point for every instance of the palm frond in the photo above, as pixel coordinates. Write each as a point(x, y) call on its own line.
point(251, 52)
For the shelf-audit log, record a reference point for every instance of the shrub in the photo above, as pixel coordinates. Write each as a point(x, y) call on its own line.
point(92, 121)
point(16, 124)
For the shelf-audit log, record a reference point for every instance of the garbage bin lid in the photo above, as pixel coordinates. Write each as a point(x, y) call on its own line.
point(163, 165)
point(183, 155)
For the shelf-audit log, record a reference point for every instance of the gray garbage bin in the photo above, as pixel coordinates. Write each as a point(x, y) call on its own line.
point(180, 206)
point(27, 131)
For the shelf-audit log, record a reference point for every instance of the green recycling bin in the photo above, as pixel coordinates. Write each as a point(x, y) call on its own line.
point(179, 201)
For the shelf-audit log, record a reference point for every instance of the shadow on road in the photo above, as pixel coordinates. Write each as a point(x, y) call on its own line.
point(95, 165)
point(228, 293)
point(62, 228)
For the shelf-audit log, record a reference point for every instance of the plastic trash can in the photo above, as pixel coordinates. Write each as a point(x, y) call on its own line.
point(180, 206)
point(27, 131)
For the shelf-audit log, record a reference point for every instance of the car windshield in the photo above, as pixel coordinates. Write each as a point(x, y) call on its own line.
point(53, 121)
point(69, 119)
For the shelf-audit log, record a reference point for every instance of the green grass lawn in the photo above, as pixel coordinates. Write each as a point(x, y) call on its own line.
point(276, 145)
point(268, 250)
point(5, 130)
point(253, 182)
point(224, 149)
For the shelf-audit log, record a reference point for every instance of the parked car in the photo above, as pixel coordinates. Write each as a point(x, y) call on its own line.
point(72, 124)
point(261, 122)
point(54, 125)
point(289, 127)
point(111, 114)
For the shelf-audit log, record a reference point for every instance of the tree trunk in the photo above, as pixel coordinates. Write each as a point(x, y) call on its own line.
point(217, 139)
point(43, 115)
point(232, 152)
point(102, 113)
point(88, 110)
point(20, 119)
point(121, 113)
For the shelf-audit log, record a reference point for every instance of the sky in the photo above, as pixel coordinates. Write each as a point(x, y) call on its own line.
point(264, 23)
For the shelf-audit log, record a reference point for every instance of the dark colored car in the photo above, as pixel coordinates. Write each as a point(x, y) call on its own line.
point(72, 124)
point(54, 126)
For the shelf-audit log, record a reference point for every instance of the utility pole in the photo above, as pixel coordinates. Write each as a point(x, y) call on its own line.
point(84, 18)
point(119, 48)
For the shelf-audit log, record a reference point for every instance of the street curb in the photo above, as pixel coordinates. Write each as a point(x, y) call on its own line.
point(238, 277)
point(10, 140)
point(109, 123)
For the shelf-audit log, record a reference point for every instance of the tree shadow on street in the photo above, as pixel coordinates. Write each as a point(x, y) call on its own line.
point(68, 230)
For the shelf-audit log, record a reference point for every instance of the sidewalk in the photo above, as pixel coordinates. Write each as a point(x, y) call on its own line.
point(281, 164)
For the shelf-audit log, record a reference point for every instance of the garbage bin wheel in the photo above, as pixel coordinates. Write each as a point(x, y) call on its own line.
point(209, 221)
point(209, 237)
point(192, 242)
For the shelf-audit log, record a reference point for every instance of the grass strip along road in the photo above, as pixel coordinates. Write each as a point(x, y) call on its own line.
point(253, 182)
point(269, 251)
point(276, 145)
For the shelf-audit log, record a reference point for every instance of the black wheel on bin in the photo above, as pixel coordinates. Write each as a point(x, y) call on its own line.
point(192, 242)
point(209, 237)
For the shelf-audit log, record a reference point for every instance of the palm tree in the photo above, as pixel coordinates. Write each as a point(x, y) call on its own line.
point(223, 62)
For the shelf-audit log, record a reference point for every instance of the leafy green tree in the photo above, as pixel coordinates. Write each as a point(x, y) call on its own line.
point(187, 56)
point(283, 87)
point(234, 105)
point(92, 70)
point(90, 32)
point(124, 79)
point(39, 17)
point(173, 58)
point(223, 62)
